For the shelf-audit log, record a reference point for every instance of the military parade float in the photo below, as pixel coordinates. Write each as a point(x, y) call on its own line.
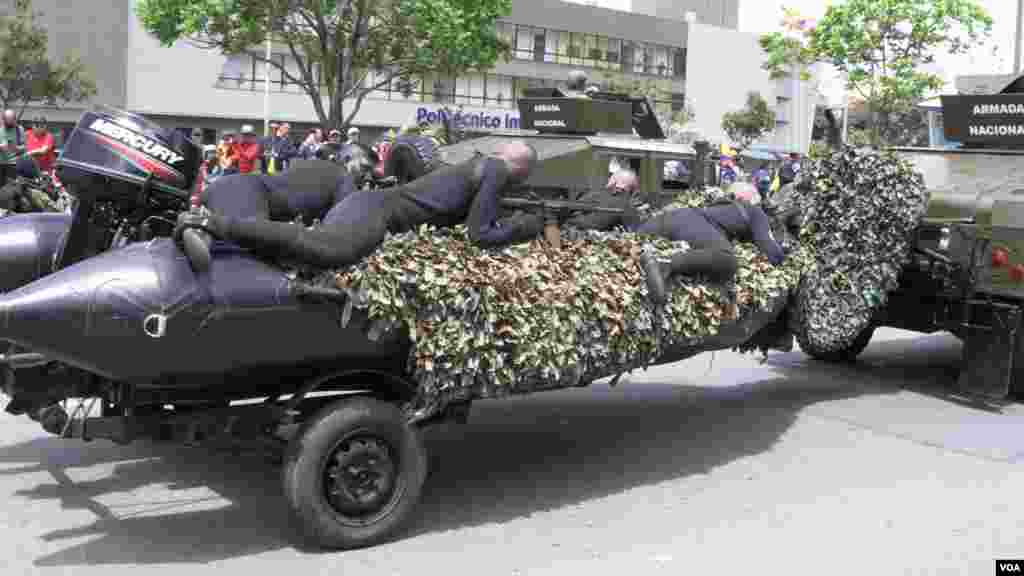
point(342, 368)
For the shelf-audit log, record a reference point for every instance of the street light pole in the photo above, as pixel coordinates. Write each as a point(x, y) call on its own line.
point(266, 86)
point(1020, 36)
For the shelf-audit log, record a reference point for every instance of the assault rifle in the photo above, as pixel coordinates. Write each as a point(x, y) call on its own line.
point(555, 211)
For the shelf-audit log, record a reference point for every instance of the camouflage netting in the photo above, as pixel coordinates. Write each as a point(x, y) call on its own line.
point(525, 318)
point(490, 323)
point(860, 209)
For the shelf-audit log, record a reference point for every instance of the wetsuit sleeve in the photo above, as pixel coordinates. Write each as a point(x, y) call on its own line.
point(482, 223)
point(761, 231)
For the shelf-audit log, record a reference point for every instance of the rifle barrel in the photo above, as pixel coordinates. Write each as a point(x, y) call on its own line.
point(559, 205)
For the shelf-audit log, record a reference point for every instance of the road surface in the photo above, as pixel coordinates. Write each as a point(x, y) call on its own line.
point(717, 465)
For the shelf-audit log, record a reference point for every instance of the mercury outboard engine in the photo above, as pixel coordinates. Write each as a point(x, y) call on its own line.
point(130, 178)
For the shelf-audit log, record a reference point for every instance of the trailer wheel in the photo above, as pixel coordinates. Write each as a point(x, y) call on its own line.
point(843, 355)
point(353, 473)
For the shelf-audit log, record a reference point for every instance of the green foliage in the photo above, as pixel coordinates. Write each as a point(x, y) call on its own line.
point(744, 127)
point(819, 150)
point(880, 45)
point(26, 73)
point(525, 318)
point(860, 210)
point(336, 43)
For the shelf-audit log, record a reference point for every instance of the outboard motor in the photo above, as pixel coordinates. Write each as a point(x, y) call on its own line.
point(128, 175)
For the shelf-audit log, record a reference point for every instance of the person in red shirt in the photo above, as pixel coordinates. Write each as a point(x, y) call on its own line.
point(249, 151)
point(40, 147)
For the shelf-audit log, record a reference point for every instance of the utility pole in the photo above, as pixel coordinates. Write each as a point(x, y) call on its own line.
point(266, 86)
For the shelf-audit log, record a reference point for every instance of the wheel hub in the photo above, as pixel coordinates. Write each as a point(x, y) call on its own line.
point(361, 478)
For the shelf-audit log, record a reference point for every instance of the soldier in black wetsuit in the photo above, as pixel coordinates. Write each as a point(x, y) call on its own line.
point(619, 192)
point(710, 232)
point(308, 189)
point(355, 227)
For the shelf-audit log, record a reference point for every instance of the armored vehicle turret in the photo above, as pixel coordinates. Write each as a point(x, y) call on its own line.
point(579, 134)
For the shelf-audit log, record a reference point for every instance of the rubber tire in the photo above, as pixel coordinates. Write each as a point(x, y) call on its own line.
point(316, 439)
point(843, 355)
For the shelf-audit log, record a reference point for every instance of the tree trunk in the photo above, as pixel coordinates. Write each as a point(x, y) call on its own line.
point(834, 133)
point(344, 63)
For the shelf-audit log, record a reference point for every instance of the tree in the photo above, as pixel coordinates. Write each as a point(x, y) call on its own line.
point(335, 44)
point(746, 126)
point(880, 46)
point(27, 75)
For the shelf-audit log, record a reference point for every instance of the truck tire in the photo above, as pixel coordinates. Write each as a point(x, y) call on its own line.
point(353, 473)
point(841, 356)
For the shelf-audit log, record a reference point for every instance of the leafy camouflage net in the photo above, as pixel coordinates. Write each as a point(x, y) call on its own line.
point(525, 318)
point(860, 208)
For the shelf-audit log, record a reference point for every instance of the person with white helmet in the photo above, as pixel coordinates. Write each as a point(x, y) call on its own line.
point(353, 135)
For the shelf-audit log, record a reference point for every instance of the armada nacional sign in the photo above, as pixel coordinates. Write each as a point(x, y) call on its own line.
point(992, 119)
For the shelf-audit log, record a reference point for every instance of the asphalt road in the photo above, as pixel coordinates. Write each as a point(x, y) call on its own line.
point(717, 465)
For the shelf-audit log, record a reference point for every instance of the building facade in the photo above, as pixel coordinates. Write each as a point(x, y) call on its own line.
point(205, 93)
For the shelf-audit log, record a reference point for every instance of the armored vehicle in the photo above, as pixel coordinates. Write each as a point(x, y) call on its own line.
point(579, 139)
point(966, 275)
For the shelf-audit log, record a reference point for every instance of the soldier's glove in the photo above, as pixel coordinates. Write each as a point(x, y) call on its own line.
point(631, 216)
point(204, 221)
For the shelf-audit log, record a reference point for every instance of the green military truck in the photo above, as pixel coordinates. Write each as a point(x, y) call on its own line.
point(966, 274)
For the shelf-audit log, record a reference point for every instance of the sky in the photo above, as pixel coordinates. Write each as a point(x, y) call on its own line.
point(758, 16)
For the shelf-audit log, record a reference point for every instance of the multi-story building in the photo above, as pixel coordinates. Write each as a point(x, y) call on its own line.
point(688, 48)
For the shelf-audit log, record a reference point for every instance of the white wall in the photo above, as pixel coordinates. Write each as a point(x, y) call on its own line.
point(180, 81)
point(722, 66)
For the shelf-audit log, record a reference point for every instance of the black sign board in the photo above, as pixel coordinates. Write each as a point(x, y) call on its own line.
point(575, 115)
point(995, 120)
point(543, 93)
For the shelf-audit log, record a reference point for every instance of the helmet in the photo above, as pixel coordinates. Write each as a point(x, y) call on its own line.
point(763, 183)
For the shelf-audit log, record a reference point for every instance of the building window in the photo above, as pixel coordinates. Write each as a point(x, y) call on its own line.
point(612, 55)
point(661, 64)
point(524, 42)
point(679, 63)
point(678, 101)
point(628, 55)
point(562, 48)
point(551, 46)
point(576, 49)
point(641, 54)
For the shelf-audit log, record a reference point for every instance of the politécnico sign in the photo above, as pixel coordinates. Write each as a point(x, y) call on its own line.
point(993, 120)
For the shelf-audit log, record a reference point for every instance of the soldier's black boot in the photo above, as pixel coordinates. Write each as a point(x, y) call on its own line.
point(654, 275)
point(192, 231)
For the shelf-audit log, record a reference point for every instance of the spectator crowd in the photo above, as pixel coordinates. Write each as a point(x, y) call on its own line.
point(244, 153)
